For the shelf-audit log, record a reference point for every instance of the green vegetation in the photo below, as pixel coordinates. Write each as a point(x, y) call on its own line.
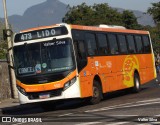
point(100, 14)
point(155, 31)
point(3, 44)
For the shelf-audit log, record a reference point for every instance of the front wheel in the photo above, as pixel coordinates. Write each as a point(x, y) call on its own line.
point(137, 84)
point(97, 93)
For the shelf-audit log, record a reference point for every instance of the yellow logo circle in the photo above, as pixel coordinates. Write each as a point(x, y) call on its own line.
point(130, 64)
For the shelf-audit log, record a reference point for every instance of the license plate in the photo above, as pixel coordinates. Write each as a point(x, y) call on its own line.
point(44, 96)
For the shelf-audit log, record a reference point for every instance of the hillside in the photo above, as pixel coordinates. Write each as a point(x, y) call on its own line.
point(46, 13)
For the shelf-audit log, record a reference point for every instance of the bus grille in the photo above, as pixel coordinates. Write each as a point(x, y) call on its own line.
point(52, 93)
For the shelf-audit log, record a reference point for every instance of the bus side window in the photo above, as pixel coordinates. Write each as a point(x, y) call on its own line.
point(122, 44)
point(131, 44)
point(91, 44)
point(146, 42)
point(80, 49)
point(139, 44)
point(102, 43)
point(113, 44)
point(80, 53)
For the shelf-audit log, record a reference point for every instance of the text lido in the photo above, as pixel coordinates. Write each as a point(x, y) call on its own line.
point(38, 34)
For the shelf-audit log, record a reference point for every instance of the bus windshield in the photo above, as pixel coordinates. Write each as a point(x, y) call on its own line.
point(44, 57)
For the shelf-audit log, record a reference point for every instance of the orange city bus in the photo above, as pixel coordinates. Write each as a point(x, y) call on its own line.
point(65, 61)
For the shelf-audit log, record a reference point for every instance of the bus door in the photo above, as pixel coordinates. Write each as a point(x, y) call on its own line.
point(81, 60)
point(92, 52)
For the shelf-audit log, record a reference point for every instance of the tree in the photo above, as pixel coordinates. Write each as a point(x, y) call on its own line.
point(100, 14)
point(155, 12)
point(155, 36)
point(93, 15)
point(78, 15)
point(103, 14)
point(129, 20)
point(155, 32)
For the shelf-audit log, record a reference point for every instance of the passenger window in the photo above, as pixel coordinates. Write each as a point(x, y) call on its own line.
point(146, 42)
point(102, 42)
point(77, 35)
point(80, 52)
point(122, 44)
point(131, 44)
point(80, 49)
point(91, 44)
point(139, 44)
point(113, 44)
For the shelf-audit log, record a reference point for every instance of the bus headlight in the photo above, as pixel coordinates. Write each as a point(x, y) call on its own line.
point(69, 83)
point(21, 90)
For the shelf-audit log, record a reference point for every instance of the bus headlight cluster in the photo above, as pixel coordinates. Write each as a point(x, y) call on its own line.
point(69, 83)
point(21, 90)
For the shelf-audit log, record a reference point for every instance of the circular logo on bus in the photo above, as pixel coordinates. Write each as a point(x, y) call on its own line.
point(130, 64)
point(44, 65)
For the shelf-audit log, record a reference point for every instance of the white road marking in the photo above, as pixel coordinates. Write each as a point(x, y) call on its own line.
point(118, 123)
point(155, 123)
point(151, 100)
point(65, 114)
point(108, 108)
point(18, 124)
point(123, 115)
point(139, 105)
point(134, 104)
point(89, 123)
point(144, 124)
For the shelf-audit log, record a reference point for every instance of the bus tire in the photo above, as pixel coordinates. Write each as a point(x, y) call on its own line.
point(97, 93)
point(137, 84)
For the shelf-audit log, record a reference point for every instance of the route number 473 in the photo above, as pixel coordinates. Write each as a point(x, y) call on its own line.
point(26, 36)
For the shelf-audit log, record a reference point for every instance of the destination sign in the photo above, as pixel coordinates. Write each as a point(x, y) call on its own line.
point(38, 34)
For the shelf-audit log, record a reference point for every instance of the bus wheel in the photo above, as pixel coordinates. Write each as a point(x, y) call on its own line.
point(137, 84)
point(97, 93)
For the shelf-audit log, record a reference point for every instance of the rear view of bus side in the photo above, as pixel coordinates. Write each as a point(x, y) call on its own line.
point(72, 61)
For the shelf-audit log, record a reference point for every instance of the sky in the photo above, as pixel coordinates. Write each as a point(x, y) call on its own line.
point(19, 6)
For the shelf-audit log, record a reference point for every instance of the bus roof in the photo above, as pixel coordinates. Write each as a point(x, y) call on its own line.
point(118, 30)
point(91, 28)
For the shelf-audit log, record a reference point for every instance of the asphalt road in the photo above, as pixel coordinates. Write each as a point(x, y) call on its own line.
point(117, 108)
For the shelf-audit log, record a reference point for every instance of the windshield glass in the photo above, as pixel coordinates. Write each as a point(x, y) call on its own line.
point(45, 57)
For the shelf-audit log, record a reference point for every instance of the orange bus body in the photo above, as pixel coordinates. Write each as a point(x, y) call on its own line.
point(115, 72)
